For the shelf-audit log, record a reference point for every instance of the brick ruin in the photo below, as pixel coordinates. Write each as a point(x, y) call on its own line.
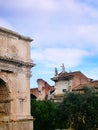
point(63, 82)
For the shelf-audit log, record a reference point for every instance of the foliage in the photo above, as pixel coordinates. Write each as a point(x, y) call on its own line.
point(44, 113)
point(79, 111)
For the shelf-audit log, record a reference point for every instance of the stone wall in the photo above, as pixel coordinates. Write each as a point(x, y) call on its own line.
point(17, 125)
point(15, 72)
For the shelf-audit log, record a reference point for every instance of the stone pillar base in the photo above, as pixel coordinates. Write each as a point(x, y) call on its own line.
point(17, 125)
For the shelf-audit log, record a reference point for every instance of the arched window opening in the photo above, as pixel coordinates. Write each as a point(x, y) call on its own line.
point(32, 96)
point(3, 91)
point(4, 99)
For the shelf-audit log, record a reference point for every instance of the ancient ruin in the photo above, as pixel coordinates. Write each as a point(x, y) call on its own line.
point(15, 65)
point(63, 82)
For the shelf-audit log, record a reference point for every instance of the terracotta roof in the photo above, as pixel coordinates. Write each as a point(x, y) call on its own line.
point(62, 75)
point(79, 73)
point(66, 75)
point(91, 84)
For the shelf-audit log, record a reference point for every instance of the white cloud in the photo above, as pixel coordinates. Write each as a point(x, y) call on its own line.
point(88, 33)
point(51, 57)
point(54, 23)
point(64, 23)
point(28, 5)
point(73, 24)
point(82, 36)
point(5, 24)
point(65, 31)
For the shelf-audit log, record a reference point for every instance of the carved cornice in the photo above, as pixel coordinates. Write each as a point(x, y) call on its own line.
point(6, 100)
point(16, 62)
point(10, 32)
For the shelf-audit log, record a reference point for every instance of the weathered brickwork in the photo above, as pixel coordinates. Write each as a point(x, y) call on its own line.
point(43, 91)
point(79, 78)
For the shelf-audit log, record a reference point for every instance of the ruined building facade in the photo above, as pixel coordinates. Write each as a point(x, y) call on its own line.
point(67, 81)
point(43, 91)
point(15, 65)
point(63, 82)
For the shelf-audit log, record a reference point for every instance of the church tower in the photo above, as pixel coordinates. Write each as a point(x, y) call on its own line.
point(63, 83)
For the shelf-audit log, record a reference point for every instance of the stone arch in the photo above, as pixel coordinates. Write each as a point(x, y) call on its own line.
point(33, 96)
point(5, 78)
point(4, 98)
point(4, 93)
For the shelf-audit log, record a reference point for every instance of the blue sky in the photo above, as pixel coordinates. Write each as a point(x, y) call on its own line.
point(64, 31)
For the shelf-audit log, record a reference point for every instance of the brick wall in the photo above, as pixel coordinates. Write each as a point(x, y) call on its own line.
point(79, 78)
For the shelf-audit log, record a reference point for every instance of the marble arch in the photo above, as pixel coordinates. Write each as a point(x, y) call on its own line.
point(15, 73)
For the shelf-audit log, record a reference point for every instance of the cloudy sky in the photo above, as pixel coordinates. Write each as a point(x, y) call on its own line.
point(64, 31)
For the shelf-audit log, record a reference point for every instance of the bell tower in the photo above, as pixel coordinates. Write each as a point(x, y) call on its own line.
point(15, 73)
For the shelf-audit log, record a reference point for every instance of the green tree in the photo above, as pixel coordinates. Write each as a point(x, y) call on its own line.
point(79, 111)
point(44, 113)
